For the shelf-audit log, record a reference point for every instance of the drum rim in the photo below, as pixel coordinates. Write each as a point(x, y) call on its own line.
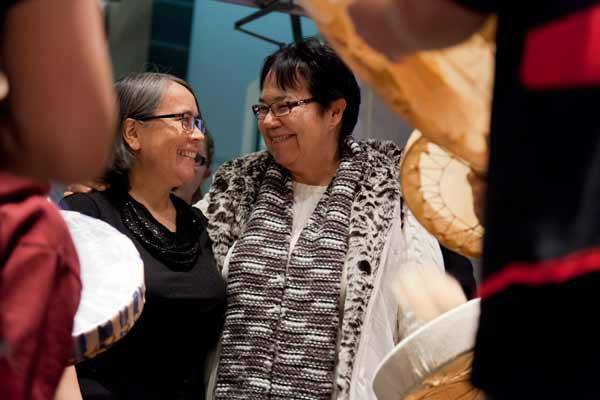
point(410, 181)
point(113, 327)
point(471, 309)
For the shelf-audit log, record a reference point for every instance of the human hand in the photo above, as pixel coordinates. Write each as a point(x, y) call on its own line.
point(85, 187)
point(68, 387)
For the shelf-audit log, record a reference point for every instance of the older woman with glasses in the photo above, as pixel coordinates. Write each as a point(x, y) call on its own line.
point(159, 139)
point(309, 235)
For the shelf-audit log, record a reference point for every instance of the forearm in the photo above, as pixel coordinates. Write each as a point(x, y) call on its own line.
point(61, 101)
point(68, 388)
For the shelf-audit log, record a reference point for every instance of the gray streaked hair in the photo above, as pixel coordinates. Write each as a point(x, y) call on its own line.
point(138, 95)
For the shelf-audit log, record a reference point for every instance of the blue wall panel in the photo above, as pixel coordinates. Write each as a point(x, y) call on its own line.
point(224, 63)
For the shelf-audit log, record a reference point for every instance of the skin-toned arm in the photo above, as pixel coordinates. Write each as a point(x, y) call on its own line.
point(68, 387)
point(398, 28)
point(61, 100)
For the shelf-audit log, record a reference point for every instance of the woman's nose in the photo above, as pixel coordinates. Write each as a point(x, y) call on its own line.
point(271, 120)
point(197, 134)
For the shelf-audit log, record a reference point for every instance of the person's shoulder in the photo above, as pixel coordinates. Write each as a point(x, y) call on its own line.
point(382, 149)
point(200, 215)
point(89, 203)
point(248, 167)
point(381, 176)
point(72, 201)
point(182, 206)
point(252, 160)
point(34, 221)
point(383, 157)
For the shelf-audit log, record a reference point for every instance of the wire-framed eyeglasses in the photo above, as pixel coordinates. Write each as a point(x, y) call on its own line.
point(188, 121)
point(279, 109)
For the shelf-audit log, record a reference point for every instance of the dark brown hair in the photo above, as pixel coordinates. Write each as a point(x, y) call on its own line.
point(327, 77)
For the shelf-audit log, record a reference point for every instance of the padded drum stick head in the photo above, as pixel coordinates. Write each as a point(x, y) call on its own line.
point(427, 292)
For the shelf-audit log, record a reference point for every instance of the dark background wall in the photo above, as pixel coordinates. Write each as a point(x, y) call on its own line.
point(171, 30)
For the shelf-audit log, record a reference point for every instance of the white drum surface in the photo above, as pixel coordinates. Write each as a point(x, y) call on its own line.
point(112, 275)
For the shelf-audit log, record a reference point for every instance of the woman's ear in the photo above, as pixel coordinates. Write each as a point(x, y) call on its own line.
point(130, 134)
point(336, 112)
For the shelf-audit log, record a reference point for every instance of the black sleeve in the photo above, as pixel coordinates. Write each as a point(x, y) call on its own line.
point(480, 6)
point(81, 202)
point(461, 269)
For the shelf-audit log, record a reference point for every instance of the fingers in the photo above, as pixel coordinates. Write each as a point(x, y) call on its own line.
point(85, 187)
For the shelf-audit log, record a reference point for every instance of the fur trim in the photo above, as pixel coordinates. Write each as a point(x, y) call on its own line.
point(230, 202)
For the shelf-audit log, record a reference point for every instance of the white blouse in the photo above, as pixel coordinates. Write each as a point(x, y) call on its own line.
point(386, 321)
point(306, 198)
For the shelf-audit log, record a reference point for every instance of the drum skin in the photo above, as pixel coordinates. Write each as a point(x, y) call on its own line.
point(437, 188)
point(112, 275)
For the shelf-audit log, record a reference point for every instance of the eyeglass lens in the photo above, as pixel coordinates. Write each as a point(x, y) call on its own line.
point(279, 110)
point(189, 122)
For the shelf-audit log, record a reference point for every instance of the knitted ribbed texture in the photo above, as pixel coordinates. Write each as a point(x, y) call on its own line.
point(231, 202)
point(281, 327)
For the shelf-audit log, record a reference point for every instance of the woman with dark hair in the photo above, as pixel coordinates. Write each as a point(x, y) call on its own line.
point(160, 133)
point(309, 234)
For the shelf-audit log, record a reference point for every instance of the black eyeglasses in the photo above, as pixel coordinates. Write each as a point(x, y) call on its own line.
point(188, 121)
point(279, 109)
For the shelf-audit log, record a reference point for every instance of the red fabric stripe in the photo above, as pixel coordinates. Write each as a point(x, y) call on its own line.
point(563, 53)
point(542, 273)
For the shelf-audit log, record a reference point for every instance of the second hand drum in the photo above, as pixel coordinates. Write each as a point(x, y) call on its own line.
point(429, 364)
point(112, 275)
point(439, 189)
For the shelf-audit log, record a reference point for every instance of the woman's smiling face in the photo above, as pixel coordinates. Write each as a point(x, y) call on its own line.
point(164, 146)
point(296, 140)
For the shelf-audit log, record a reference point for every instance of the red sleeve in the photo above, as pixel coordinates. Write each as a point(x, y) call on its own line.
point(39, 295)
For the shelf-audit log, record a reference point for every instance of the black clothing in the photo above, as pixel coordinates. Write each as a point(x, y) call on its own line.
point(541, 258)
point(461, 269)
point(163, 355)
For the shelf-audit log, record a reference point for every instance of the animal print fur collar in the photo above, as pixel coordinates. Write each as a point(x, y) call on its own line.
point(233, 195)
